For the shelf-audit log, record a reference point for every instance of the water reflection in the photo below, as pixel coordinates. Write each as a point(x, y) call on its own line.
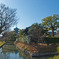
point(9, 51)
point(26, 56)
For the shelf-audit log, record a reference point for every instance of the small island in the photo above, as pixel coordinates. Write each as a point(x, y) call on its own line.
point(37, 40)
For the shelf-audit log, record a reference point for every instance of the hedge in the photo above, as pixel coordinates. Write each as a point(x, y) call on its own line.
point(49, 40)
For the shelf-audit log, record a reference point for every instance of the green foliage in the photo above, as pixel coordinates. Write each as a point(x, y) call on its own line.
point(20, 39)
point(49, 40)
point(10, 36)
point(25, 39)
point(34, 27)
point(51, 21)
point(20, 33)
point(36, 32)
point(32, 34)
point(13, 36)
point(23, 32)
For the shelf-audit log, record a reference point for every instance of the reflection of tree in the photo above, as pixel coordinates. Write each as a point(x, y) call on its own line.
point(27, 56)
point(9, 48)
point(24, 55)
point(5, 56)
point(16, 54)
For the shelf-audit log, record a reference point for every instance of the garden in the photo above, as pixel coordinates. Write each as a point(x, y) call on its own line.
point(36, 38)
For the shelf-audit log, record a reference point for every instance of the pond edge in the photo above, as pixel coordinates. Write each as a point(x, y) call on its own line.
point(37, 54)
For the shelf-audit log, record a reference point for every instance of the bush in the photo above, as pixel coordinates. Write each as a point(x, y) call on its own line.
point(49, 40)
point(25, 39)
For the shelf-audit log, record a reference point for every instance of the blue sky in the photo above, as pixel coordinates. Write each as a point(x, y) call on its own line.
point(32, 11)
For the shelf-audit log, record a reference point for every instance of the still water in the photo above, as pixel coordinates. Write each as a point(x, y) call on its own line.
point(10, 51)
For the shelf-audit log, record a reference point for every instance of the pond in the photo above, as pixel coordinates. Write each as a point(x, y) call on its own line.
point(10, 51)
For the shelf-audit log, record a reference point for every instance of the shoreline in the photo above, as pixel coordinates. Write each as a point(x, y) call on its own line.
point(36, 54)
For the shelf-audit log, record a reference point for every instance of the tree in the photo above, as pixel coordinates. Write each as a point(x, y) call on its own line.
point(21, 33)
point(7, 17)
point(36, 31)
point(9, 36)
point(51, 22)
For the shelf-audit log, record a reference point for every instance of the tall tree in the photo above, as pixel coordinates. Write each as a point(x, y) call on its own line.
point(7, 17)
point(37, 32)
point(51, 22)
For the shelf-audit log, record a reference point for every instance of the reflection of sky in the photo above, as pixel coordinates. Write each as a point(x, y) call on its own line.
point(10, 56)
point(14, 56)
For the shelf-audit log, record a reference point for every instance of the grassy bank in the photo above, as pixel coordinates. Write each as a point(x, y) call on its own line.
point(1, 43)
point(40, 48)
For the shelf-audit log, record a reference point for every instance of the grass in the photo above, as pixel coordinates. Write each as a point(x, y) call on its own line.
point(37, 48)
point(1, 43)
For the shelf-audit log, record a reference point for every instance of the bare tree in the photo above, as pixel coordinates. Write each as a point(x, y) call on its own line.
point(7, 17)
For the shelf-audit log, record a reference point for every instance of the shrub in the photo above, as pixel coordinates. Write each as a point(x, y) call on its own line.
point(25, 39)
point(49, 40)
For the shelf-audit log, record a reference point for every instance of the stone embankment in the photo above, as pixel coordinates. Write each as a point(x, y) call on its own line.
point(36, 54)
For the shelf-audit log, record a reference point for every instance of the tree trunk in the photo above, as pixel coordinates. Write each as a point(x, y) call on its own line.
point(52, 31)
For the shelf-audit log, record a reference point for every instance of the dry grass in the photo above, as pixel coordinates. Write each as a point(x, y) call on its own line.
point(1, 43)
point(34, 48)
